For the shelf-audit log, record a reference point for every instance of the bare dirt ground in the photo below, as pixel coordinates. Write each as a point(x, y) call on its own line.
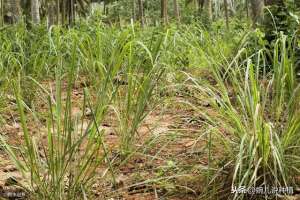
point(167, 168)
point(167, 164)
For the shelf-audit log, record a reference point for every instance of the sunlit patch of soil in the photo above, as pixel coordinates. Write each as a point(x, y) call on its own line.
point(166, 161)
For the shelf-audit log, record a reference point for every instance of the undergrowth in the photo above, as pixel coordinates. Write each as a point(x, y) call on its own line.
point(250, 115)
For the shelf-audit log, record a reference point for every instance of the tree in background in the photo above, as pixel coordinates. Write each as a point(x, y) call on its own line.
point(257, 10)
point(1, 13)
point(35, 11)
point(51, 18)
point(164, 11)
point(63, 12)
point(133, 10)
point(176, 10)
point(13, 11)
point(209, 10)
point(226, 13)
point(141, 12)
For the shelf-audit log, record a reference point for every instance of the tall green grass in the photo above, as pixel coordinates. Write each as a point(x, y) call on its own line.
point(64, 165)
point(256, 121)
point(123, 71)
point(135, 99)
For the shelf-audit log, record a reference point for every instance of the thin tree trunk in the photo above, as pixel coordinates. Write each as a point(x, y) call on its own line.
point(200, 6)
point(164, 11)
point(226, 14)
point(35, 11)
point(70, 12)
point(195, 2)
point(57, 11)
point(2, 13)
point(176, 11)
point(247, 8)
point(257, 8)
point(51, 14)
point(141, 12)
point(73, 11)
point(105, 8)
point(15, 10)
point(63, 12)
point(27, 10)
point(209, 9)
point(133, 10)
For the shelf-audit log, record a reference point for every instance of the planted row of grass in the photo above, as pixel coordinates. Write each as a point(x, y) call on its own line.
point(62, 170)
point(255, 124)
point(123, 69)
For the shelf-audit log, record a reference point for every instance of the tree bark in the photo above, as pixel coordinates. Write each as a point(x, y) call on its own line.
point(164, 11)
point(70, 12)
point(35, 11)
point(105, 8)
point(63, 12)
point(209, 9)
point(247, 8)
point(15, 10)
point(226, 14)
point(141, 13)
point(133, 10)
point(52, 8)
point(257, 8)
point(176, 10)
point(1, 13)
point(200, 6)
point(57, 11)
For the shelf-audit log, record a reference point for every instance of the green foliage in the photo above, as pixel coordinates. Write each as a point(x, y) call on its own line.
point(256, 119)
point(252, 114)
point(279, 18)
point(62, 170)
point(56, 168)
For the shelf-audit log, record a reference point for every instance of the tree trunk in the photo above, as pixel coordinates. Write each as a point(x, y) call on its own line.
point(164, 11)
point(176, 10)
point(70, 12)
point(63, 12)
point(141, 12)
point(226, 14)
point(35, 11)
point(247, 8)
point(133, 10)
point(200, 6)
point(1, 13)
point(57, 11)
point(105, 8)
point(209, 9)
point(257, 8)
point(52, 8)
point(27, 10)
point(15, 10)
